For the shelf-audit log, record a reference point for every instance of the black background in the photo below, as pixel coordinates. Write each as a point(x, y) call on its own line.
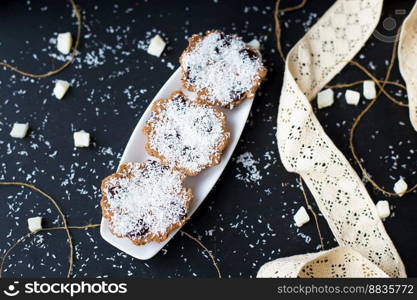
point(244, 223)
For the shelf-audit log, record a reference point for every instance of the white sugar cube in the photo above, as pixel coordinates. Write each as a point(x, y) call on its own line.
point(81, 139)
point(19, 130)
point(352, 97)
point(369, 91)
point(400, 187)
point(325, 98)
point(301, 217)
point(383, 209)
point(157, 46)
point(61, 87)
point(255, 44)
point(64, 42)
point(35, 224)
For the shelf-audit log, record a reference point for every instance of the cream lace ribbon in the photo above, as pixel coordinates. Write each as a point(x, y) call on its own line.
point(338, 262)
point(365, 248)
point(407, 56)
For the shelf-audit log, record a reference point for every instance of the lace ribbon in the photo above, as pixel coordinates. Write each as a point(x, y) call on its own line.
point(407, 56)
point(365, 248)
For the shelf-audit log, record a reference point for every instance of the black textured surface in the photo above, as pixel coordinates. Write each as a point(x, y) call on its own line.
point(244, 222)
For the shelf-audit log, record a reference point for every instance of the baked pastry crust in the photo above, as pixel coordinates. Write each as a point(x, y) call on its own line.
point(184, 135)
point(208, 65)
point(145, 201)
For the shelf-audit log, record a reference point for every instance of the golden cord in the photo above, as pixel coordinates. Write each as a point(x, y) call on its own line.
point(64, 220)
point(352, 136)
point(381, 85)
point(310, 208)
point(213, 260)
point(66, 227)
point(278, 30)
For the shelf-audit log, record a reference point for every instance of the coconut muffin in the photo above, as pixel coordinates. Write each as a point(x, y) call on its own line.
point(221, 69)
point(145, 201)
point(184, 135)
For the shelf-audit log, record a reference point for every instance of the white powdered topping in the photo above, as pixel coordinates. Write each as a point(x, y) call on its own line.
point(146, 200)
point(187, 135)
point(222, 66)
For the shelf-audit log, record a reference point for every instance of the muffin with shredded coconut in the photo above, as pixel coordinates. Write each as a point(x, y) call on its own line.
point(184, 135)
point(221, 69)
point(145, 201)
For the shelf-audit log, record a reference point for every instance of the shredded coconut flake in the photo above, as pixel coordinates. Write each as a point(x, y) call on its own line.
point(250, 164)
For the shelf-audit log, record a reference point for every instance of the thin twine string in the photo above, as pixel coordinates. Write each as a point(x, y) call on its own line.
point(64, 221)
point(381, 86)
point(66, 227)
point(67, 63)
point(352, 136)
point(278, 30)
point(213, 259)
point(23, 238)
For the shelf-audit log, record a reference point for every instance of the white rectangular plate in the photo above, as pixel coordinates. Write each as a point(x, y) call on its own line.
point(200, 184)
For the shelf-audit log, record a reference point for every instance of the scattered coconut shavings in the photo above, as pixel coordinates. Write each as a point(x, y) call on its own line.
point(251, 166)
point(144, 199)
point(306, 238)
